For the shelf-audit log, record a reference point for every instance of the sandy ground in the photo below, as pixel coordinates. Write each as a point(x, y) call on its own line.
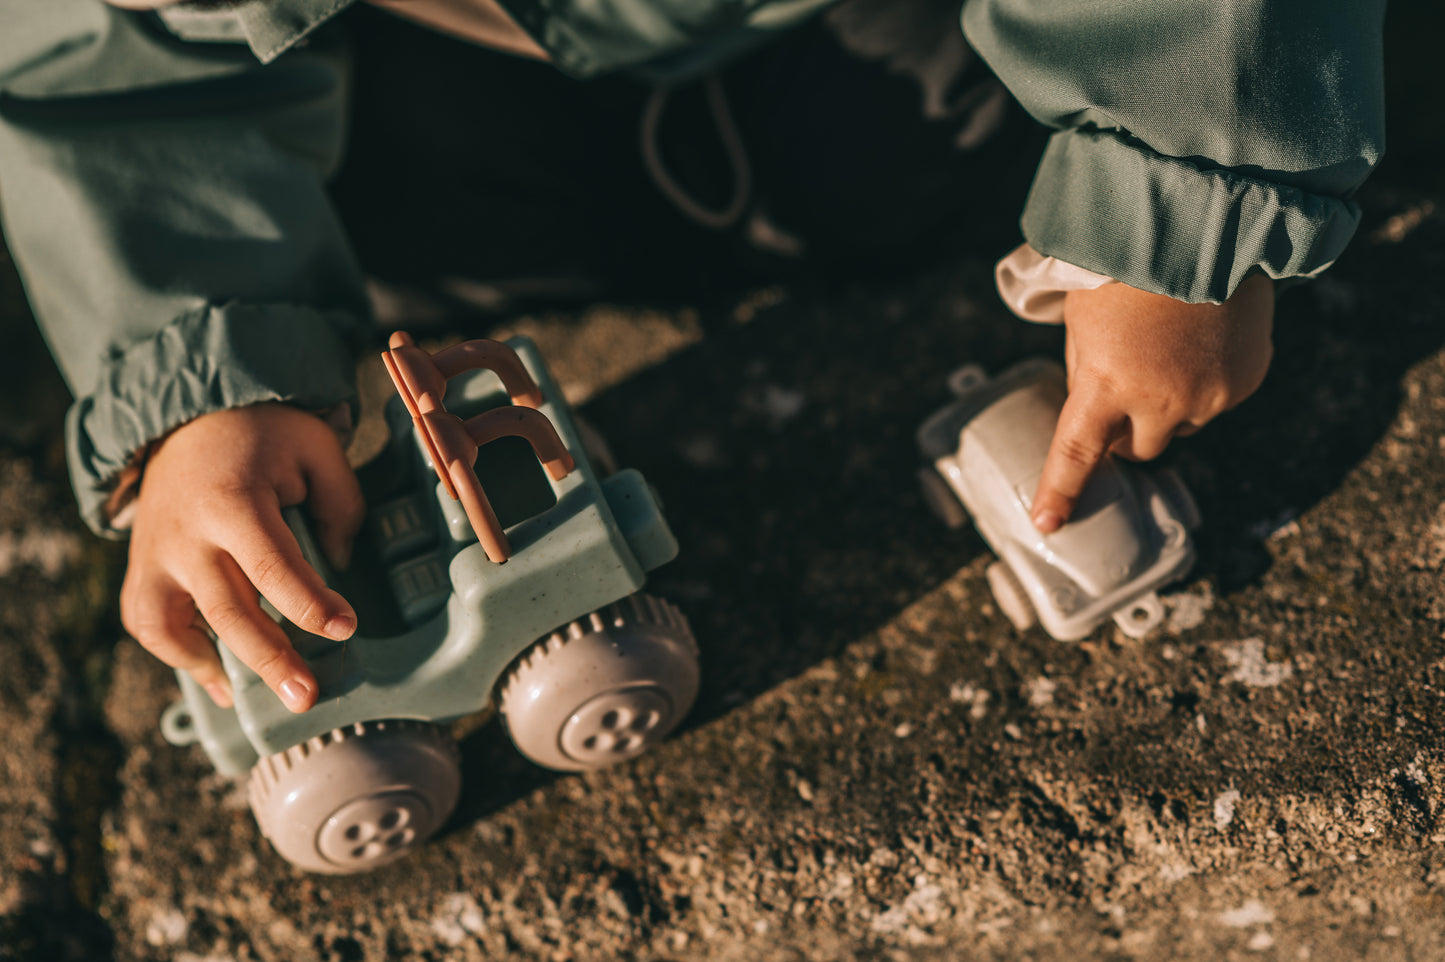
point(878, 765)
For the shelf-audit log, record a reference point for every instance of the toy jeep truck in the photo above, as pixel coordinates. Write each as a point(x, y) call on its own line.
point(1129, 534)
point(522, 596)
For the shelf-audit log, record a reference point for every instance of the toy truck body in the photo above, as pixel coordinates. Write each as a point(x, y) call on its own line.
point(586, 670)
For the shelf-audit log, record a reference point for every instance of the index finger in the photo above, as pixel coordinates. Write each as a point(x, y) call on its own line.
point(229, 606)
point(267, 553)
point(1088, 425)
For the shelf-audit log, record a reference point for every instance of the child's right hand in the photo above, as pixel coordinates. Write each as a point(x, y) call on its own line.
point(208, 539)
point(1143, 369)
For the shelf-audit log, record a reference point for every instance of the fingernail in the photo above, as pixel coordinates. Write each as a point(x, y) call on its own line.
point(220, 693)
point(1048, 521)
point(296, 694)
point(340, 627)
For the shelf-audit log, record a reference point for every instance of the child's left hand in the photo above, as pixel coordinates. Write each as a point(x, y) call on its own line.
point(208, 540)
point(1143, 369)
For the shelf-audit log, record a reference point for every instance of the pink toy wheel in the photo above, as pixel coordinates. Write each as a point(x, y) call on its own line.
point(357, 797)
point(941, 499)
point(1179, 498)
point(1009, 592)
point(604, 688)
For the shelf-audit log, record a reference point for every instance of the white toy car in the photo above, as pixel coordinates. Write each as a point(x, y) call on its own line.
point(1129, 534)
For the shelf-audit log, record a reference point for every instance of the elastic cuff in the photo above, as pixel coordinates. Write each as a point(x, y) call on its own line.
point(212, 359)
point(118, 508)
point(1163, 225)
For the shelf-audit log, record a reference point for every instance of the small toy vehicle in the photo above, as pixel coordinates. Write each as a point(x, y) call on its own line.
point(1129, 534)
point(512, 584)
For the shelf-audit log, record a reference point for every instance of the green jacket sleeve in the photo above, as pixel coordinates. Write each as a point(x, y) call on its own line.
point(164, 204)
point(1198, 141)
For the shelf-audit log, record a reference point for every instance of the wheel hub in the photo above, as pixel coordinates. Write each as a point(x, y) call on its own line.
point(616, 725)
point(370, 829)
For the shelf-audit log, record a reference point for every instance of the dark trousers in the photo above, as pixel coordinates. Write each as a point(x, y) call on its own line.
point(865, 132)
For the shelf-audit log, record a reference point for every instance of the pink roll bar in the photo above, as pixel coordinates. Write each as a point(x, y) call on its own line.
point(452, 443)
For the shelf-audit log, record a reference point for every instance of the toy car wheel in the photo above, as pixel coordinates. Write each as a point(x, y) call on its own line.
point(604, 688)
point(1009, 592)
point(1180, 498)
point(357, 797)
point(940, 499)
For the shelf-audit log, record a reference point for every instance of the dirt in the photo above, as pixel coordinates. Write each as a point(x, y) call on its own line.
point(878, 766)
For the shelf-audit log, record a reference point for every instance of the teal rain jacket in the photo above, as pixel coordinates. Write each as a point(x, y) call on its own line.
point(161, 178)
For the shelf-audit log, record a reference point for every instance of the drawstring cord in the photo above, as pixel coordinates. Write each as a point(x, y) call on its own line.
point(742, 187)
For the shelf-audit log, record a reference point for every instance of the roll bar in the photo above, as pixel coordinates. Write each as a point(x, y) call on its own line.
point(452, 443)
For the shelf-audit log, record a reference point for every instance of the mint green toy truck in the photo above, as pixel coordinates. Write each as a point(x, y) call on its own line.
point(542, 620)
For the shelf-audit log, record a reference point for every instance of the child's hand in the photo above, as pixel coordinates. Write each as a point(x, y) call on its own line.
point(208, 538)
point(1144, 368)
